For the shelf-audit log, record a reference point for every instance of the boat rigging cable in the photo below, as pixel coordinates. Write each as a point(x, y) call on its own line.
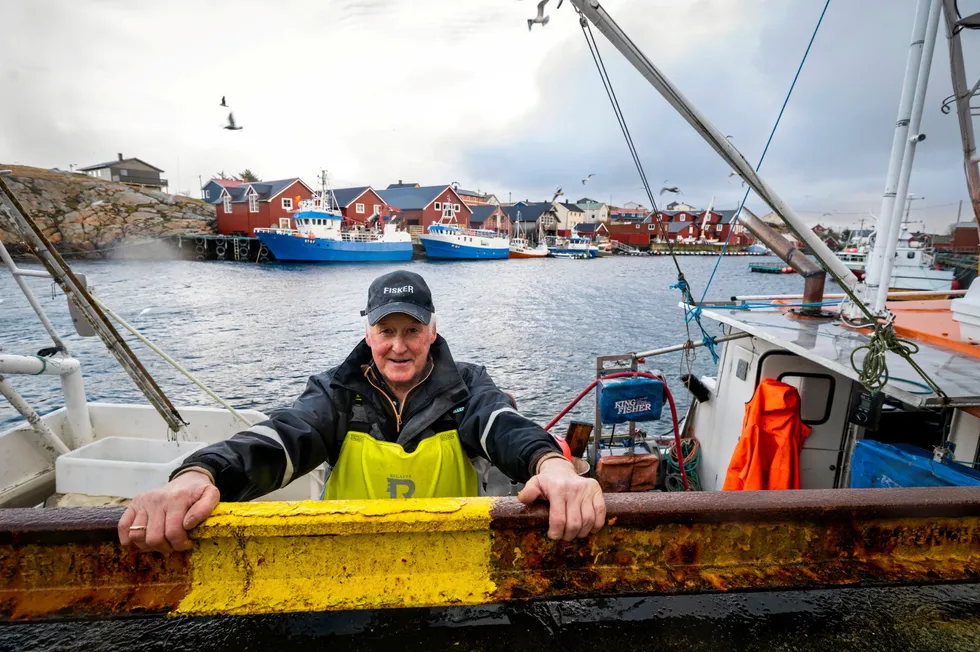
point(873, 371)
point(682, 284)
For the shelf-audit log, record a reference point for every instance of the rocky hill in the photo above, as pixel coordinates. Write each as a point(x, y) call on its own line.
point(81, 214)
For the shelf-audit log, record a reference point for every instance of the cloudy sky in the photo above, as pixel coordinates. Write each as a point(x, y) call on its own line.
point(437, 91)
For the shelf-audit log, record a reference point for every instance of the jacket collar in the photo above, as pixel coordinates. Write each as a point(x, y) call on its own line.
point(444, 378)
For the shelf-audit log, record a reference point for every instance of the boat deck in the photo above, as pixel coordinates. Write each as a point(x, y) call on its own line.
point(830, 343)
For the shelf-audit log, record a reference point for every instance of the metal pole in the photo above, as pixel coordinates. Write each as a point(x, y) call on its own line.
point(963, 94)
point(31, 299)
point(890, 244)
point(595, 13)
point(899, 140)
point(49, 441)
point(688, 345)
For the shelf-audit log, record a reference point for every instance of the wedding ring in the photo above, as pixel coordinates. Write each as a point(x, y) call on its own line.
point(136, 527)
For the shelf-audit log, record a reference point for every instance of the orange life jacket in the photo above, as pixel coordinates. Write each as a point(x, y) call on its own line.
point(768, 454)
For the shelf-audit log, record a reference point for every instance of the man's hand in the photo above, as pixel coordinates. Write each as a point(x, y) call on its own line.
point(577, 506)
point(163, 516)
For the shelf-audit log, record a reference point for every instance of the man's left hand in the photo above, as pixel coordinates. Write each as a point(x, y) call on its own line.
point(577, 506)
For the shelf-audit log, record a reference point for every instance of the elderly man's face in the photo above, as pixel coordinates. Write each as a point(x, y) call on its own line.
point(400, 348)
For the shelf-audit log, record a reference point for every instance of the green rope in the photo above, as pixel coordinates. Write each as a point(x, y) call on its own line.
point(873, 370)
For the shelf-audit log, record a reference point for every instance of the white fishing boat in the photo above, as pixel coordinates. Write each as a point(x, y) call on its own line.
point(914, 267)
point(872, 405)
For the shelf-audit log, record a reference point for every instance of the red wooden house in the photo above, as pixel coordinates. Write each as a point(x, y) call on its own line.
point(242, 209)
point(422, 206)
point(360, 203)
point(635, 234)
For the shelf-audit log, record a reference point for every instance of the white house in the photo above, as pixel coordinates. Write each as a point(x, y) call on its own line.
point(569, 216)
point(594, 211)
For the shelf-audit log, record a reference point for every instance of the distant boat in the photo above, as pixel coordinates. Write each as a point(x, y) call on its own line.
point(447, 240)
point(521, 247)
point(572, 247)
point(913, 269)
point(320, 236)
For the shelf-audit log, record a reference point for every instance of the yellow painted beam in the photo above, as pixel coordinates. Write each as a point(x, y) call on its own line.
point(325, 556)
point(254, 558)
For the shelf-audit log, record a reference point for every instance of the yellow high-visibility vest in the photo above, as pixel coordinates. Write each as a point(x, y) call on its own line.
point(368, 468)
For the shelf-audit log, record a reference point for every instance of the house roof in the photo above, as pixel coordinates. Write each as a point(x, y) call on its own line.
point(408, 197)
point(117, 162)
point(226, 183)
point(469, 193)
point(346, 196)
point(726, 216)
point(266, 190)
point(392, 186)
point(589, 205)
point(586, 228)
point(529, 212)
point(677, 227)
point(572, 207)
point(481, 213)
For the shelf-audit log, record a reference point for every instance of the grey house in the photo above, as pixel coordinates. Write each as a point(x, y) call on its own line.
point(127, 170)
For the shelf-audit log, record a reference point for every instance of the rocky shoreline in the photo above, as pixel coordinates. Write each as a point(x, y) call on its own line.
point(90, 217)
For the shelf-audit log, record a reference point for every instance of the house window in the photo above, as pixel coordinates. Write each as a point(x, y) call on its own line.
point(649, 227)
point(283, 222)
point(123, 173)
point(637, 226)
point(227, 205)
point(359, 209)
point(253, 203)
point(287, 203)
point(438, 206)
point(377, 209)
point(455, 208)
point(207, 194)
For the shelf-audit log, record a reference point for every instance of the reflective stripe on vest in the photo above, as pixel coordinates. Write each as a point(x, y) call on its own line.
point(368, 468)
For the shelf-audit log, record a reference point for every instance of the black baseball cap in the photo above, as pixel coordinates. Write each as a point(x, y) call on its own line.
point(399, 291)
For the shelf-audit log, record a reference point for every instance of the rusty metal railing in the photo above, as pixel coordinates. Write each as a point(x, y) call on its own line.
point(253, 558)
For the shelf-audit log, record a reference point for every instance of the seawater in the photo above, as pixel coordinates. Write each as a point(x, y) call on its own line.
point(254, 333)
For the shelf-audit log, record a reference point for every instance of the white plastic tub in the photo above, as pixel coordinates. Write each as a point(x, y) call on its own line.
point(120, 466)
point(967, 312)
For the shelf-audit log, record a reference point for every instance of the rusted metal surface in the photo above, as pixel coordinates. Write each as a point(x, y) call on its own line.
point(753, 540)
point(66, 563)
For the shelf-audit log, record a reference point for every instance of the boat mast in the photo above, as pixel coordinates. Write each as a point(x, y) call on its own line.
point(907, 137)
point(963, 96)
point(598, 16)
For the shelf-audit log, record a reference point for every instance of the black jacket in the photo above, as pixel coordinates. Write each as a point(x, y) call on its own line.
point(297, 439)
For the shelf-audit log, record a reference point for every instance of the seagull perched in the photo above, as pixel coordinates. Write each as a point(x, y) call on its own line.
point(558, 193)
point(587, 179)
point(673, 189)
point(540, 18)
point(222, 101)
point(231, 123)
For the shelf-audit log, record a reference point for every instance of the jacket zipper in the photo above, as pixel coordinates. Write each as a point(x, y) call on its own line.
point(398, 413)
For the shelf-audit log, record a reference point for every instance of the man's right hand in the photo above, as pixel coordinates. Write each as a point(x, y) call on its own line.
point(163, 516)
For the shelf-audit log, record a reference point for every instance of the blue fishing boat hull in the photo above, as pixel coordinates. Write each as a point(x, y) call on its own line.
point(442, 250)
point(290, 248)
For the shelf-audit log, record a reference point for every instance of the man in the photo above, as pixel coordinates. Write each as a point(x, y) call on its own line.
point(398, 419)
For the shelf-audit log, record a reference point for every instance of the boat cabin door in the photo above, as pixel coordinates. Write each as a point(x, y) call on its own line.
point(825, 398)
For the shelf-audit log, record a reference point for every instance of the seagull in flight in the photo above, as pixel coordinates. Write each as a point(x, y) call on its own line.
point(231, 123)
point(222, 101)
point(672, 189)
point(541, 19)
point(558, 193)
point(735, 174)
point(587, 179)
